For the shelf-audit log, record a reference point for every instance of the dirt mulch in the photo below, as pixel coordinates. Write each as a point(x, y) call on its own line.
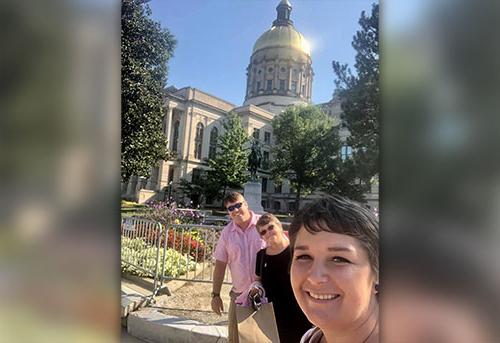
point(191, 300)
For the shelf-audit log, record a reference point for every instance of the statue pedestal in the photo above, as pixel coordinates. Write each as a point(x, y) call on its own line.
point(253, 195)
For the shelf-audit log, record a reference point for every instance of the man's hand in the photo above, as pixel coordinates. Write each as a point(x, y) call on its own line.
point(217, 305)
point(219, 271)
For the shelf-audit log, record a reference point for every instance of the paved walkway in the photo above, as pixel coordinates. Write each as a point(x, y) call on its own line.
point(185, 316)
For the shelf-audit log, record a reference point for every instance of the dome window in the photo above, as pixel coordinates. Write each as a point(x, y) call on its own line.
point(269, 85)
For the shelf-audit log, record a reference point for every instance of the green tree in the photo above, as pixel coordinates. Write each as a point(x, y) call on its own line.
point(360, 99)
point(339, 177)
point(229, 167)
point(307, 145)
point(146, 48)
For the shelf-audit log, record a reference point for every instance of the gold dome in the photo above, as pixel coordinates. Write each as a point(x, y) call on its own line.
point(282, 36)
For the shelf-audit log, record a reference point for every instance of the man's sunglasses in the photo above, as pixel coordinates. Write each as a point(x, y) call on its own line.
point(263, 232)
point(234, 207)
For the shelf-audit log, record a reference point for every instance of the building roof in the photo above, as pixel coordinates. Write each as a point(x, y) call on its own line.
point(282, 36)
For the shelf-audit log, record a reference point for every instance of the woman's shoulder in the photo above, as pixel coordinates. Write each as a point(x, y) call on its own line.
point(313, 335)
point(261, 252)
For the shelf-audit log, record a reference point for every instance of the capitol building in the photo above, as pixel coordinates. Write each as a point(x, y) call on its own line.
point(279, 74)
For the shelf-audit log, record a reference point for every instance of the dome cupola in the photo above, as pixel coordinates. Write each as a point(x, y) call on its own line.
point(280, 72)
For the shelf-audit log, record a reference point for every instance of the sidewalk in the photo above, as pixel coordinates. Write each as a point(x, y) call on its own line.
point(170, 318)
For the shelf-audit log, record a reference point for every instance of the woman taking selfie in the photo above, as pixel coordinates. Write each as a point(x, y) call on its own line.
point(334, 270)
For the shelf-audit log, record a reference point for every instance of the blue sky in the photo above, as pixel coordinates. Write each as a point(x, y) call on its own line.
point(216, 37)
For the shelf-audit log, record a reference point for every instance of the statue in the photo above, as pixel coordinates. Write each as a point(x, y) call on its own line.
point(254, 160)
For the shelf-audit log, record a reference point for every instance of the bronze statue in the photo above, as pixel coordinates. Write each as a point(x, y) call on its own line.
point(254, 160)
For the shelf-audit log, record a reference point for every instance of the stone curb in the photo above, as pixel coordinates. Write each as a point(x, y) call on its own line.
point(154, 326)
point(131, 300)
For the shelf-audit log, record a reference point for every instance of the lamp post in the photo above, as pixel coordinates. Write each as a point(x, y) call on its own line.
point(169, 191)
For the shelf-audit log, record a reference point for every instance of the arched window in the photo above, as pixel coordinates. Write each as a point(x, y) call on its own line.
point(175, 139)
point(198, 141)
point(345, 152)
point(212, 151)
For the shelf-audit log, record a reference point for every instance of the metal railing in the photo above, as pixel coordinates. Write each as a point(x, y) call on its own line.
point(169, 252)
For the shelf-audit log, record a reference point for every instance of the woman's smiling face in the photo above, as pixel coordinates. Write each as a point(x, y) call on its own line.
point(332, 279)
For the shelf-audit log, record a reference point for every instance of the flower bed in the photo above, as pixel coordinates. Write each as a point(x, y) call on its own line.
point(137, 252)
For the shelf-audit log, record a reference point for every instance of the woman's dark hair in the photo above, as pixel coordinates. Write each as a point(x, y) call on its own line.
point(339, 215)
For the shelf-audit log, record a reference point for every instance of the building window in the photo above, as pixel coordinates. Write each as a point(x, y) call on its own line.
point(282, 85)
point(277, 187)
point(198, 141)
point(277, 206)
point(196, 176)
point(263, 203)
point(283, 69)
point(258, 86)
point(291, 206)
point(175, 140)
point(171, 174)
point(264, 184)
point(265, 160)
point(212, 151)
point(267, 137)
point(345, 152)
point(294, 86)
point(269, 85)
point(256, 134)
point(270, 70)
point(303, 89)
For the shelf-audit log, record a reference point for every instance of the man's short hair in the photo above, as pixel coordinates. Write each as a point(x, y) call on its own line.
point(232, 197)
point(265, 219)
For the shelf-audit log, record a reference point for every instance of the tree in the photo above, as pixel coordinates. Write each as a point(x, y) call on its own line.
point(229, 167)
point(340, 178)
point(307, 144)
point(360, 99)
point(146, 48)
point(200, 188)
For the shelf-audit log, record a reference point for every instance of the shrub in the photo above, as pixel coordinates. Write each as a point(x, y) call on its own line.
point(167, 213)
point(137, 252)
point(177, 239)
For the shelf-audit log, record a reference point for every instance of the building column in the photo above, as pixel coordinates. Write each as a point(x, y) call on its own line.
point(299, 83)
point(157, 185)
point(276, 77)
point(168, 126)
point(289, 83)
point(188, 132)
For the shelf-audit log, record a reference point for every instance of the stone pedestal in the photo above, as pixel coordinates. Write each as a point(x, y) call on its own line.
point(253, 195)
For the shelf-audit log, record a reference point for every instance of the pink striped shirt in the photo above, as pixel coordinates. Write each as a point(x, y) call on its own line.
point(238, 248)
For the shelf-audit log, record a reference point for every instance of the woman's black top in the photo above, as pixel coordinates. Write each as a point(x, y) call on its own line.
point(273, 271)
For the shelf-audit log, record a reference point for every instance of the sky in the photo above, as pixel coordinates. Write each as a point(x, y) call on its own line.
point(215, 40)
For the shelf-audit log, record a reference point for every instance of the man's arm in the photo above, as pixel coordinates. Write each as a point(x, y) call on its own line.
point(218, 277)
